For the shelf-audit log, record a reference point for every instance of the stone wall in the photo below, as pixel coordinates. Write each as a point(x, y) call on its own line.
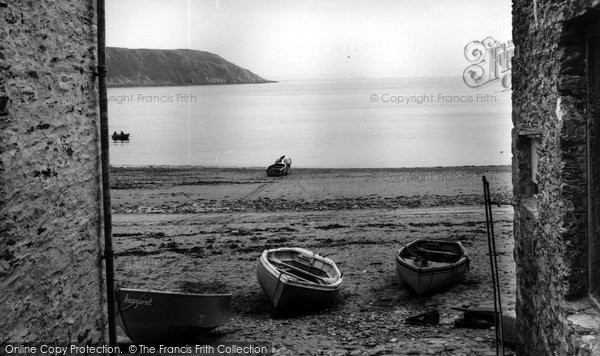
point(549, 105)
point(51, 284)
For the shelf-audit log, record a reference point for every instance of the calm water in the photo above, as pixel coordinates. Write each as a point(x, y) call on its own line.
point(344, 123)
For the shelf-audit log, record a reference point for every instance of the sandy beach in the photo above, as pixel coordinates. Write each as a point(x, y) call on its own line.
point(200, 229)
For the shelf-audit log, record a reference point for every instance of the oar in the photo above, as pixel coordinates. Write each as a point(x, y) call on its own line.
point(447, 253)
point(281, 263)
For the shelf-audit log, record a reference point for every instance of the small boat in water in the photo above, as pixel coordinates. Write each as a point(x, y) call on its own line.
point(428, 266)
point(297, 279)
point(276, 170)
point(120, 136)
point(151, 317)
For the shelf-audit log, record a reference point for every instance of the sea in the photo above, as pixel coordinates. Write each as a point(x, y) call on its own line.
point(345, 123)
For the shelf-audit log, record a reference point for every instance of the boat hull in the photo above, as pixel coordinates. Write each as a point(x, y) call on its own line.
point(287, 292)
point(276, 170)
point(151, 317)
point(446, 272)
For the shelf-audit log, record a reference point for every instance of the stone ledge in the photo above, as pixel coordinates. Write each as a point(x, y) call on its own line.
point(584, 320)
point(531, 132)
point(530, 205)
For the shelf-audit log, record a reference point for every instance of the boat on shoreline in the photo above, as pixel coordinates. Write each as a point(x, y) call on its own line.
point(298, 279)
point(428, 265)
point(152, 317)
point(276, 170)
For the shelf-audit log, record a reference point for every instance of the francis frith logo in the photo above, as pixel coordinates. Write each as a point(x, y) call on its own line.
point(490, 61)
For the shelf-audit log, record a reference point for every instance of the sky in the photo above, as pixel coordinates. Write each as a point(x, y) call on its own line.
point(316, 39)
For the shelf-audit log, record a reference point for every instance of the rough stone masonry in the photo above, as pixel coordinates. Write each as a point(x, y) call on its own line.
point(51, 284)
point(550, 138)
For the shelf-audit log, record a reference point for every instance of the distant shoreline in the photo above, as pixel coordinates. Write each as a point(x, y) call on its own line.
point(144, 67)
point(502, 168)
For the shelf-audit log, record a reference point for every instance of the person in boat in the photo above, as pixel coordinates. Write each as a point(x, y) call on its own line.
point(115, 133)
point(122, 133)
point(288, 165)
point(280, 160)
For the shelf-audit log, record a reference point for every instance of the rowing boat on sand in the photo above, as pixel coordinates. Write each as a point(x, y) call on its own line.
point(151, 317)
point(298, 279)
point(427, 266)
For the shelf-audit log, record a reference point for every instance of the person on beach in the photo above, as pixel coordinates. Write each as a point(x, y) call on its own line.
point(288, 165)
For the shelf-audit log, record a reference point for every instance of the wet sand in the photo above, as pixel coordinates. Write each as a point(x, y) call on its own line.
point(203, 229)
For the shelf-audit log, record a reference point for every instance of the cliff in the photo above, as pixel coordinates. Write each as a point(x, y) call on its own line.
point(157, 67)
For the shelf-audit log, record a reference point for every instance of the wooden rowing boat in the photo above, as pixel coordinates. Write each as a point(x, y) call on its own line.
point(151, 317)
point(298, 279)
point(428, 266)
point(276, 170)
